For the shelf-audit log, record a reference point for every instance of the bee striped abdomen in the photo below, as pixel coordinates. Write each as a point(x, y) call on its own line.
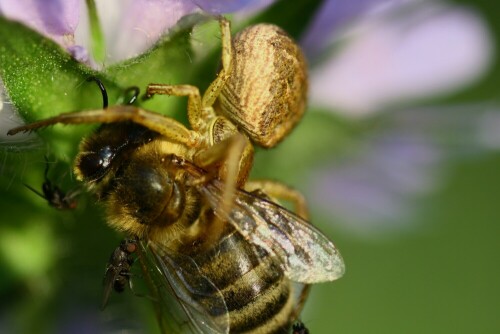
point(256, 293)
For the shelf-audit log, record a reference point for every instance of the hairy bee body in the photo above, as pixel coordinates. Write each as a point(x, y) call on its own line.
point(236, 269)
point(258, 296)
point(151, 198)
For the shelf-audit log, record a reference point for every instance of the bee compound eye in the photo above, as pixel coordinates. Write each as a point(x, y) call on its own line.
point(93, 165)
point(89, 165)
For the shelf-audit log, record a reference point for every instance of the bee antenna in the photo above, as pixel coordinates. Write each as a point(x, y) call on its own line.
point(103, 90)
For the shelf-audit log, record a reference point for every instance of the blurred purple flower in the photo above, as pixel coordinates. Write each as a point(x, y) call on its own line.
point(369, 55)
point(130, 26)
point(56, 19)
point(231, 6)
point(380, 186)
point(403, 50)
point(486, 133)
point(333, 17)
point(133, 26)
point(85, 319)
point(374, 191)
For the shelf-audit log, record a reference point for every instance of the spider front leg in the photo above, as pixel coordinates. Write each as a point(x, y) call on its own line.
point(161, 124)
point(197, 115)
point(200, 108)
point(281, 191)
point(215, 87)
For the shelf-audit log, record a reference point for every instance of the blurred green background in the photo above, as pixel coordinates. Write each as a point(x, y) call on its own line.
point(440, 276)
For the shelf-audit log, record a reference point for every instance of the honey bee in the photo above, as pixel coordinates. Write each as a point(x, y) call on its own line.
point(55, 197)
point(233, 259)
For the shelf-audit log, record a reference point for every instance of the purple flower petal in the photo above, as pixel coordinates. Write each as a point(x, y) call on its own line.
point(79, 53)
point(334, 14)
point(230, 6)
point(487, 133)
point(54, 18)
point(131, 27)
point(375, 191)
point(427, 51)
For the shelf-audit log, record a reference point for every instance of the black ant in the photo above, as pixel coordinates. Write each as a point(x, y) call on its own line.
point(56, 197)
point(299, 328)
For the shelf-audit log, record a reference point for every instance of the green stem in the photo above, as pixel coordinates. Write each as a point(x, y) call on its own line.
point(98, 43)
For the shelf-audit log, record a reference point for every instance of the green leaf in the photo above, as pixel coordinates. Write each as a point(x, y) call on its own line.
point(98, 41)
point(170, 61)
point(42, 80)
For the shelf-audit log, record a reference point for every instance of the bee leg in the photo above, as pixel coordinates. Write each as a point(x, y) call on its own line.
point(281, 191)
point(200, 109)
point(300, 302)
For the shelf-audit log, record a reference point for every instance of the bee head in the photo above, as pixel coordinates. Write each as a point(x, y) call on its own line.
point(103, 151)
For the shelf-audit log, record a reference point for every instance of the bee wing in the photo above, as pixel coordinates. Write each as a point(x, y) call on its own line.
point(307, 255)
point(177, 277)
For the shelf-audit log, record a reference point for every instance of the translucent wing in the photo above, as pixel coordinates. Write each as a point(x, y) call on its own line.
point(186, 300)
point(307, 255)
point(109, 278)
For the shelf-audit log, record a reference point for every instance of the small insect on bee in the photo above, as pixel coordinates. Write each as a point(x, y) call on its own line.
point(56, 197)
point(299, 328)
point(232, 258)
point(117, 275)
